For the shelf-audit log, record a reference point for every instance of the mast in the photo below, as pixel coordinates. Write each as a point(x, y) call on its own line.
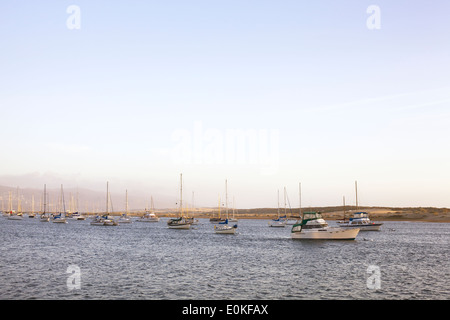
point(45, 199)
point(219, 205)
point(233, 207)
point(10, 202)
point(63, 204)
point(278, 210)
point(181, 194)
point(19, 208)
point(300, 199)
point(285, 201)
point(107, 196)
point(226, 197)
point(343, 198)
point(356, 190)
point(126, 202)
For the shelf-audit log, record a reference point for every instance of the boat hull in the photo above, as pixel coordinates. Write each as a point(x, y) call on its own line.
point(180, 226)
point(229, 230)
point(148, 220)
point(59, 221)
point(104, 222)
point(326, 234)
point(277, 224)
point(363, 227)
point(15, 217)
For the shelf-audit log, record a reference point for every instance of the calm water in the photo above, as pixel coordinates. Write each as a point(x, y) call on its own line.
point(150, 261)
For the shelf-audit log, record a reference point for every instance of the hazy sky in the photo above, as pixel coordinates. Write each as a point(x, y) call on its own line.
point(265, 94)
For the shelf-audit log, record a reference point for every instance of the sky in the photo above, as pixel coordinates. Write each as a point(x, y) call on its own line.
point(264, 94)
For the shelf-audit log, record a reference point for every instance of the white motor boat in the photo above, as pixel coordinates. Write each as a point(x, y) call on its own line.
point(148, 217)
point(360, 220)
point(314, 227)
point(124, 218)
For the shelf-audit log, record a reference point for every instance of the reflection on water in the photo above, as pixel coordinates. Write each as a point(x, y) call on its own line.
point(150, 261)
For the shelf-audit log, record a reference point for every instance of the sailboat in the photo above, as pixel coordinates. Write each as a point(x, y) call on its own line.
point(124, 217)
point(233, 219)
point(104, 220)
point(16, 215)
point(59, 218)
point(32, 214)
point(223, 226)
point(44, 217)
point(180, 222)
point(293, 219)
point(192, 219)
point(360, 219)
point(76, 215)
point(12, 215)
point(280, 222)
point(149, 216)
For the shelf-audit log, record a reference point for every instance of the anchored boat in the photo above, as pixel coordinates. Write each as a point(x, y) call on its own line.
point(314, 227)
point(180, 222)
point(105, 220)
point(362, 221)
point(224, 228)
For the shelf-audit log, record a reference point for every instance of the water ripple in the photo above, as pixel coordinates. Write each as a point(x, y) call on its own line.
point(150, 261)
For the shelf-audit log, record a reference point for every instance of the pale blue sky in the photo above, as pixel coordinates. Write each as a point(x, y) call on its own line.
point(111, 100)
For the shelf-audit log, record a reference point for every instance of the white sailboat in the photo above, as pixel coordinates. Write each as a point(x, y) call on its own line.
point(124, 218)
point(12, 215)
point(105, 220)
point(75, 214)
point(225, 228)
point(233, 219)
point(16, 215)
point(180, 222)
point(62, 210)
point(192, 219)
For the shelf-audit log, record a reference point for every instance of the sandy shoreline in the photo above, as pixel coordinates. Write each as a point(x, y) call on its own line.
point(328, 213)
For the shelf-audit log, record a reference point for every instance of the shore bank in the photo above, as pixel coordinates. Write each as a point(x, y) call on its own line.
point(328, 213)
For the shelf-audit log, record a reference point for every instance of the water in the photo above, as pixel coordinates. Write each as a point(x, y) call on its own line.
point(150, 261)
